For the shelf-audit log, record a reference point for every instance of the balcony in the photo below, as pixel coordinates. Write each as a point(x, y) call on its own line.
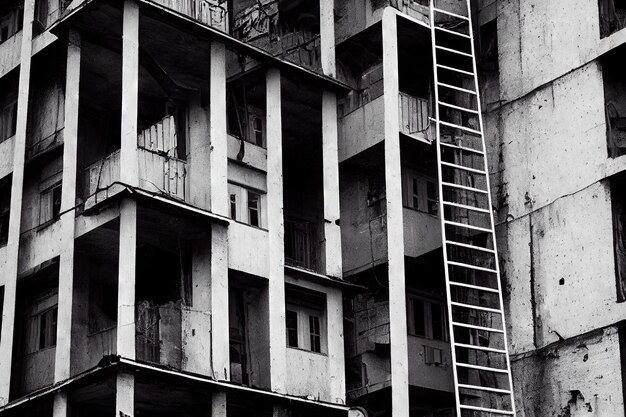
point(209, 13)
point(413, 115)
point(302, 244)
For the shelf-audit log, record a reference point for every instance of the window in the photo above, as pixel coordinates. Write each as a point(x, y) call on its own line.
point(42, 323)
point(8, 117)
point(612, 16)
point(489, 46)
point(5, 205)
point(48, 328)
point(256, 134)
point(420, 192)
point(246, 205)
point(50, 204)
point(427, 319)
point(305, 319)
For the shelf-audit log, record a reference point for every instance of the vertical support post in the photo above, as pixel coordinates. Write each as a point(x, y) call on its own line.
point(9, 272)
point(199, 155)
point(125, 395)
point(219, 148)
point(395, 225)
point(60, 407)
point(275, 225)
point(63, 352)
point(330, 161)
point(336, 360)
point(129, 175)
point(219, 302)
point(218, 404)
point(327, 37)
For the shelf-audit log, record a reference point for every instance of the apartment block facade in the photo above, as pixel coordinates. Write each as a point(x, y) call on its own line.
point(232, 207)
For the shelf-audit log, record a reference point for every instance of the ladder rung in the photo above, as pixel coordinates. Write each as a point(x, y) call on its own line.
point(454, 87)
point(474, 287)
point(452, 106)
point(463, 206)
point(468, 226)
point(465, 245)
point(473, 307)
point(458, 16)
point(487, 410)
point(483, 368)
point(484, 348)
point(454, 51)
point(463, 187)
point(464, 168)
point(479, 388)
point(461, 148)
point(477, 268)
point(452, 32)
point(460, 71)
point(467, 129)
point(474, 327)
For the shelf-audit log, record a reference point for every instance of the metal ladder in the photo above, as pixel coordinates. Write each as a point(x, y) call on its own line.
point(480, 357)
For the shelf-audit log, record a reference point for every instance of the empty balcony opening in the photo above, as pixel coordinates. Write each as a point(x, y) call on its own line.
point(246, 106)
point(35, 334)
point(615, 102)
point(99, 121)
point(287, 29)
point(46, 107)
point(367, 342)
point(163, 288)
point(249, 333)
point(618, 204)
point(305, 319)
point(303, 186)
point(96, 272)
point(360, 65)
point(420, 187)
point(5, 209)
point(42, 193)
point(612, 16)
point(363, 199)
point(11, 19)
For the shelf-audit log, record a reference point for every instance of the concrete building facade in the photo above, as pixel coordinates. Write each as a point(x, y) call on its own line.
point(231, 207)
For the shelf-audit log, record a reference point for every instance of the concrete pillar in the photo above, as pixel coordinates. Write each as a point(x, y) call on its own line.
point(395, 227)
point(9, 272)
point(199, 155)
point(125, 395)
point(130, 94)
point(218, 404)
point(68, 201)
point(330, 157)
point(336, 361)
point(219, 302)
point(327, 37)
point(126, 279)
point(219, 149)
point(275, 226)
point(60, 406)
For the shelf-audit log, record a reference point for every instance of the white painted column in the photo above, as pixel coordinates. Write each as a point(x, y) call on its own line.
point(395, 227)
point(330, 158)
point(129, 175)
point(218, 404)
point(125, 395)
point(219, 302)
point(327, 37)
point(275, 225)
point(218, 132)
point(199, 155)
point(336, 353)
point(9, 273)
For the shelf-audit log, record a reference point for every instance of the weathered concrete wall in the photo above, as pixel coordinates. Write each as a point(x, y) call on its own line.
point(361, 129)
point(422, 232)
point(431, 376)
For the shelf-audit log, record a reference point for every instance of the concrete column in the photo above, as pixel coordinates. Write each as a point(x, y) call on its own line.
point(275, 226)
point(395, 227)
point(199, 155)
point(125, 395)
point(130, 94)
point(60, 406)
point(336, 361)
point(330, 157)
point(126, 280)
point(219, 149)
point(68, 201)
point(9, 272)
point(218, 404)
point(219, 302)
point(327, 36)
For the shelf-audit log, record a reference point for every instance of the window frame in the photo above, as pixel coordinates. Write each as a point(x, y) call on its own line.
point(427, 304)
point(425, 203)
point(47, 197)
point(239, 198)
point(303, 323)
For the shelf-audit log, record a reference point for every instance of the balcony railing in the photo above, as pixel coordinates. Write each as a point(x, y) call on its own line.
point(413, 114)
point(206, 12)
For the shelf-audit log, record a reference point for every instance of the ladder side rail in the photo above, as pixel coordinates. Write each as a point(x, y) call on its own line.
point(495, 246)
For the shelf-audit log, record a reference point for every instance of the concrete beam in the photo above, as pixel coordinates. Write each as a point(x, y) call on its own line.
point(220, 329)
point(330, 161)
point(9, 273)
point(395, 226)
point(68, 201)
point(129, 165)
point(275, 225)
point(217, 130)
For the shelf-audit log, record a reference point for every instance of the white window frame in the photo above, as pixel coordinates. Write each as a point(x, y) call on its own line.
point(255, 113)
point(423, 201)
point(428, 319)
point(304, 330)
point(46, 198)
point(44, 303)
point(240, 196)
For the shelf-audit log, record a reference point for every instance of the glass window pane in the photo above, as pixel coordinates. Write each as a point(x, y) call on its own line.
point(419, 318)
point(437, 321)
point(314, 329)
point(292, 328)
point(253, 208)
